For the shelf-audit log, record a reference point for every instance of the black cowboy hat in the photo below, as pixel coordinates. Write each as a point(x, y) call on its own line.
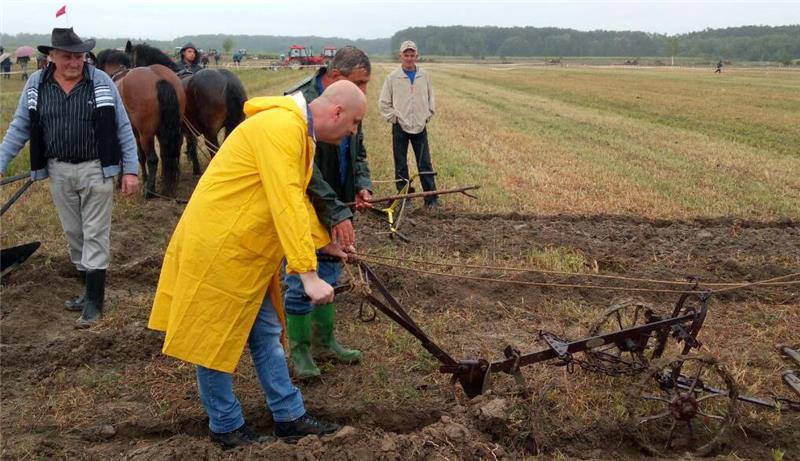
point(67, 40)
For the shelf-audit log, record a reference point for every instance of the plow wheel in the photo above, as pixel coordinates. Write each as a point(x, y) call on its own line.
point(683, 404)
point(632, 355)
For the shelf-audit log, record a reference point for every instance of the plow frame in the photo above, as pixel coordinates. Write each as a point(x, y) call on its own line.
point(473, 375)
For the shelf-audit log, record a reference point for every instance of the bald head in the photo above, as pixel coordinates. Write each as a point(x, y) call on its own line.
point(338, 111)
point(344, 93)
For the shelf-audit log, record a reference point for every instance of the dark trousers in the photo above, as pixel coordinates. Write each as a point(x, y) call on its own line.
point(419, 142)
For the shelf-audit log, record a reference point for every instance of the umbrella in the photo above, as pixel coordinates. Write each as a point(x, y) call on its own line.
point(24, 51)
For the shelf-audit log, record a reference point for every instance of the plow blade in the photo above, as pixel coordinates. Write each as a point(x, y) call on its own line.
point(12, 257)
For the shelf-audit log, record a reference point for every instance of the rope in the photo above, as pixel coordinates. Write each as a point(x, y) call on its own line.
point(358, 285)
point(521, 282)
point(772, 281)
point(179, 201)
point(578, 274)
point(206, 149)
point(565, 285)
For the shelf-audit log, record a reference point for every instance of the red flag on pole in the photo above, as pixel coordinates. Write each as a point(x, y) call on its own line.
point(62, 10)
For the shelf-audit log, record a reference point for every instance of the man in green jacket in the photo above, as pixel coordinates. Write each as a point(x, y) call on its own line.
point(341, 175)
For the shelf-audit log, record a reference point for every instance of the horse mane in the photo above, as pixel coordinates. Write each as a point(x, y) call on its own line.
point(111, 57)
point(146, 55)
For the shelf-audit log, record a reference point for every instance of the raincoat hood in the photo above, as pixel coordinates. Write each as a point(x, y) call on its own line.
point(259, 104)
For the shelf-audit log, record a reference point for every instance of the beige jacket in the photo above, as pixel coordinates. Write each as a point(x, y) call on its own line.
point(412, 106)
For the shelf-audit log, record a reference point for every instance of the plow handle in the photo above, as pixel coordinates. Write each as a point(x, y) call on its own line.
point(16, 196)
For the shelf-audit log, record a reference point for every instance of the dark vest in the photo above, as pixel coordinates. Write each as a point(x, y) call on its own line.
point(104, 123)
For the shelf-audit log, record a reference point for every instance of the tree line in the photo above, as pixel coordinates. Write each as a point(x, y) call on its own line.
point(747, 43)
point(750, 43)
point(269, 44)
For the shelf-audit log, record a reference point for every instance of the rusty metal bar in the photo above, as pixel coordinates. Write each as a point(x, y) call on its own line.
point(16, 196)
point(580, 345)
point(685, 383)
point(16, 178)
point(792, 380)
point(399, 315)
point(431, 193)
point(789, 352)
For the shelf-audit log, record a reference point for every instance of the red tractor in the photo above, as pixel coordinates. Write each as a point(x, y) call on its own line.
point(328, 53)
point(299, 56)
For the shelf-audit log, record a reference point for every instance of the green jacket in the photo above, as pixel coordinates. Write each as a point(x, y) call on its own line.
point(326, 195)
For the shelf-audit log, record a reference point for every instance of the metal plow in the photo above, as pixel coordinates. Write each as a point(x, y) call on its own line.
point(677, 400)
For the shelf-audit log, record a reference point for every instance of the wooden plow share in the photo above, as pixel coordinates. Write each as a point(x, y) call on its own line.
point(683, 402)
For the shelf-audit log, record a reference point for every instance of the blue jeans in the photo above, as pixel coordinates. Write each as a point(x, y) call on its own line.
point(295, 300)
point(283, 398)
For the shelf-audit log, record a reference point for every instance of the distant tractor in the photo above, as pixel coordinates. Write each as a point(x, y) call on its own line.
point(328, 53)
point(299, 56)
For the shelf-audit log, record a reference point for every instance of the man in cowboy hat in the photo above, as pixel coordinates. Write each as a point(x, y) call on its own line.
point(80, 137)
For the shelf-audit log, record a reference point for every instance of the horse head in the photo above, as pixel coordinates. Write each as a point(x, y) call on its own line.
point(113, 62)
point(145, 55)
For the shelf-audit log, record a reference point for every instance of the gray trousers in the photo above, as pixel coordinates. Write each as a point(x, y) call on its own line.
point(84, 199)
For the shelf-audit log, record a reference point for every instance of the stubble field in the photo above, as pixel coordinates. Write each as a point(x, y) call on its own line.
point(648, 173)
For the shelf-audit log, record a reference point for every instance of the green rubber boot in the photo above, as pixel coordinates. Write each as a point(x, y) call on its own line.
point(298, 329)
point(324, 341)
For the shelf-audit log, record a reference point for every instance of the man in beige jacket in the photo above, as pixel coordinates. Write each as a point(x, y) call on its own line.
point(407, 102)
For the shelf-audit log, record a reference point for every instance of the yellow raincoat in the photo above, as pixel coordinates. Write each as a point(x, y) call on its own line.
point(248, 211)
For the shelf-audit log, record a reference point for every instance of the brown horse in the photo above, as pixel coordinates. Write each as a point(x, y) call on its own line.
point(214, 100)
point(155, 101)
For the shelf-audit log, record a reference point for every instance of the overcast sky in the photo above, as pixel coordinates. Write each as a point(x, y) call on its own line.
point(166, 19)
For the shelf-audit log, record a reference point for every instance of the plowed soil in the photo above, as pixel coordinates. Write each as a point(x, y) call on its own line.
point(108, 393)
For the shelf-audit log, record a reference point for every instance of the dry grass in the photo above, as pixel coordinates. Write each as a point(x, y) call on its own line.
point(654, 143)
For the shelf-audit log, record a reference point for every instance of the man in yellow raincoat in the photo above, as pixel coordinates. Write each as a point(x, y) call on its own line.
point(220, 287)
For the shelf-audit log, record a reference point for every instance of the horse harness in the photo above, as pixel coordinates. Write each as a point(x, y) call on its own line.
point(120, 72)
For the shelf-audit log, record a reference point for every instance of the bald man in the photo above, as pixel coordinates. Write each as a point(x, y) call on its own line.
point(219, 287)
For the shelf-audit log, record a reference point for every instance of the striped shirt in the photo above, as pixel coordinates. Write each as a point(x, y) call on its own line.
point(66, 121)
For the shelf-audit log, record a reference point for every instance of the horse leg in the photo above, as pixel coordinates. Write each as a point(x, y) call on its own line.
point(191, 152)
point(152, 167)
point(142, 159)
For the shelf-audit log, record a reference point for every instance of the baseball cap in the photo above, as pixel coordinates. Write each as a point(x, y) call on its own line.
point(408, 45)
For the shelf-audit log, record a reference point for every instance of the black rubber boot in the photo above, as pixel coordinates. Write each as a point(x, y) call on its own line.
point(75, 303)
point(238, 438)
point(293, 431)
point(93, 302)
